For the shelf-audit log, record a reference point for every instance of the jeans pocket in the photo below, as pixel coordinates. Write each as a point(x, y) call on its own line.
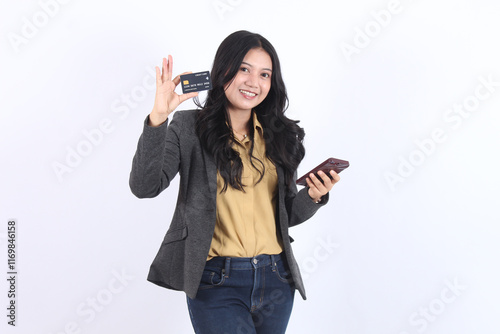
point(282, 272)
point(212, 277)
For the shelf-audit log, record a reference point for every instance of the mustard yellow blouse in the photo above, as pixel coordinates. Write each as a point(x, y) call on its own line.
point(245, 221)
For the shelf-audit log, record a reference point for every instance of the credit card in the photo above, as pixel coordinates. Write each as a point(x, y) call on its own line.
point(195, 82)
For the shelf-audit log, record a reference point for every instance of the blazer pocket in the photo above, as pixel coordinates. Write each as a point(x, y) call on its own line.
point(175, 235)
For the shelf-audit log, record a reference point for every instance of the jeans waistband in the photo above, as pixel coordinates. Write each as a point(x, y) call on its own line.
point(242, 263)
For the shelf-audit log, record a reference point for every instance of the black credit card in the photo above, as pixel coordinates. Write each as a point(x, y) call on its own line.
point(195, 82)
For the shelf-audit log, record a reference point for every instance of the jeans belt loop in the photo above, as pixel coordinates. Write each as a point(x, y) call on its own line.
point(227, 267)
point(274, 259)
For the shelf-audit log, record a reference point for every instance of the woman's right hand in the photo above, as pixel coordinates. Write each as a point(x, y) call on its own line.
point(166, 99)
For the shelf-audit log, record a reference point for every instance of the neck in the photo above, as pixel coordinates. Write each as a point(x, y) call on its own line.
point(239, 120)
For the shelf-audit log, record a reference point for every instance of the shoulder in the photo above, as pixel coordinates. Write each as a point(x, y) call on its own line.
point(185, 117)
point(184, 124)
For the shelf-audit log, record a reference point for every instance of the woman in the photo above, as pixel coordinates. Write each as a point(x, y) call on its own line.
point(228, 246)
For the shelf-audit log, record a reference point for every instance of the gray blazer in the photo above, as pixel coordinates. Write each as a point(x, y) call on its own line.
point(173, 148)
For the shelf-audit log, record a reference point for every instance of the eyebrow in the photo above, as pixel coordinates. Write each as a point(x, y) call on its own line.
point(265, 69)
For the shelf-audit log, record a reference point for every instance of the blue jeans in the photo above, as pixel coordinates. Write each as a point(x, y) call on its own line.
point(243, 295)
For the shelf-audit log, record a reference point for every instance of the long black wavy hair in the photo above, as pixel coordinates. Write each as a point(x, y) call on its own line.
point(283, 137)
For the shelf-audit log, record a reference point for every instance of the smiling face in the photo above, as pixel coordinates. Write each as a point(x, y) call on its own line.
point(252, 82)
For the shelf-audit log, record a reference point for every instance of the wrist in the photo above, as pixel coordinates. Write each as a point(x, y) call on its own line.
point(316, 200)
point(156, 120)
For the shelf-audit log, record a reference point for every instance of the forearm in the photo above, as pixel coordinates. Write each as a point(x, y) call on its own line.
point(301, 207)
point(146, 177)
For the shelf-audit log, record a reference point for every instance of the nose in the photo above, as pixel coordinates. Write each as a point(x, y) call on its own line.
point(252, 80)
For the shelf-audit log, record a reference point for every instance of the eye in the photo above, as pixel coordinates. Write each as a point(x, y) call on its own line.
point(243, 69)
point(266, 75)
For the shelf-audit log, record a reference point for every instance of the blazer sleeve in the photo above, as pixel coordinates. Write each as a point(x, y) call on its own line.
point(157, 158)
point(299, 205)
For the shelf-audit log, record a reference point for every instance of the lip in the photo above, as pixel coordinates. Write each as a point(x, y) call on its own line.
point(247, 96)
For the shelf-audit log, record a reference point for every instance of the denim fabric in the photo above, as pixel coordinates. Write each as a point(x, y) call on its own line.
point(252, 295)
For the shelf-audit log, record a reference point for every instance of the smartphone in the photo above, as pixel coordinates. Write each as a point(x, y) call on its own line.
point(331, 163)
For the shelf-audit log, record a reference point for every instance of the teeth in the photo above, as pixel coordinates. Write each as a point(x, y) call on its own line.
point(247, 93)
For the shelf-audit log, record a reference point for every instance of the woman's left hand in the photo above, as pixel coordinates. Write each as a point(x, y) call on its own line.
point(317, 189)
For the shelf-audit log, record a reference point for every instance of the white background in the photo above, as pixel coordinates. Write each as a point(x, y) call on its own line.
point(377, 259)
